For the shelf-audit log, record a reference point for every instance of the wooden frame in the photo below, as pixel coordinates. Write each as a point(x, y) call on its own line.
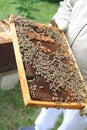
point(23, 81)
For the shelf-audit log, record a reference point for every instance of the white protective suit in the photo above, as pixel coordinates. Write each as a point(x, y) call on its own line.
point(72, 18)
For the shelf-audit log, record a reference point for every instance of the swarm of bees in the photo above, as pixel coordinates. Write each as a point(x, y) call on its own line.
point(50, 68)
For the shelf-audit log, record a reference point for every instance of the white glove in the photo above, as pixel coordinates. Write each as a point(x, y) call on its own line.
point(62, 24)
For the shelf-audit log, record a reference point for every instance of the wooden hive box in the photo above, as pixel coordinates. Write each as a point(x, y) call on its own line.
point(48, 72)
point(7, 57)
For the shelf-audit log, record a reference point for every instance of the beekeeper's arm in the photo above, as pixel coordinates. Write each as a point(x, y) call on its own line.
point(63, 16)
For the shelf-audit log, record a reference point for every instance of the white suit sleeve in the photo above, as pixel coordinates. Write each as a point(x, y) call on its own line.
point(63, 15)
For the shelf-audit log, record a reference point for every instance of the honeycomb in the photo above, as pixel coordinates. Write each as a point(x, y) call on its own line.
point(51, 71)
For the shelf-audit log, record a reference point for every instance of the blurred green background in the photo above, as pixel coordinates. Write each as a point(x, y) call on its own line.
point(39, 10)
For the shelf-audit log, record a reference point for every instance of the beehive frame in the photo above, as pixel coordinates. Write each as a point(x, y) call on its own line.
point(23, 81)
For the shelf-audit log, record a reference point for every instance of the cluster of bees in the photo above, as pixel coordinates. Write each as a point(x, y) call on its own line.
point(50, 68)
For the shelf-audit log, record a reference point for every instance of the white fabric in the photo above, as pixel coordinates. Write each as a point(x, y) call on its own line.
point(47, 118)
point(64, 13)
point(75, 14)
point(73, 121)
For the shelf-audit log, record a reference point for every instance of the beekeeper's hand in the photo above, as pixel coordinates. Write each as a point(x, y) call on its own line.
point(62, 24)
point(83, 111)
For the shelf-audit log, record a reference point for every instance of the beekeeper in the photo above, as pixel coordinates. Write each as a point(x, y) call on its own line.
point(71, 18)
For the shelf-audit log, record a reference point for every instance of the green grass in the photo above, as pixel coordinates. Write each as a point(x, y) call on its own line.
point(47, 10)
point(13, 113)
point(6, 8)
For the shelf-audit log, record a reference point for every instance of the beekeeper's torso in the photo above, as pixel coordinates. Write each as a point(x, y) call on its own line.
point(76, 11)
